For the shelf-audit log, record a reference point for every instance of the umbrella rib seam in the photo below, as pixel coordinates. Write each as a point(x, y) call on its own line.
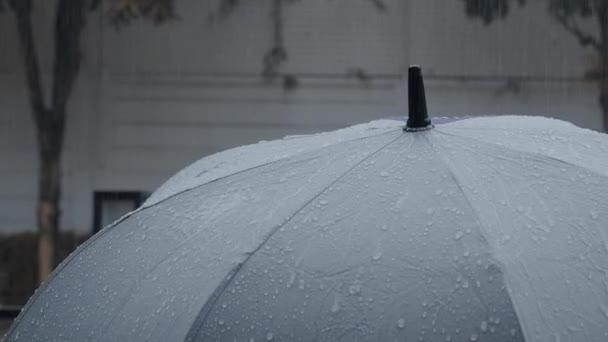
point(483, 230)
point(458, 185)
point(265, 164)
point(531, 153)
point(206, 310)
point(95, 237)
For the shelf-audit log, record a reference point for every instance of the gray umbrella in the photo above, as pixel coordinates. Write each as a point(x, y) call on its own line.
point(484, 229)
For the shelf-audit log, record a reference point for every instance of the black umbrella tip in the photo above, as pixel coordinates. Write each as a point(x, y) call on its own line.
point(418, 118)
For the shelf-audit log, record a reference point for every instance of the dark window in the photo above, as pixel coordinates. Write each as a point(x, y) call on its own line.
point(108, 206)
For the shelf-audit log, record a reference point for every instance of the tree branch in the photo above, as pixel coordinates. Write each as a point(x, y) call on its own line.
point(380, 5)
point(22, 11)
point(277, 54)
point(69, 24)
point(570, 24)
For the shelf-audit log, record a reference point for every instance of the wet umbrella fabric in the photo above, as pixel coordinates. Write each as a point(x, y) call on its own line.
point(485, 229)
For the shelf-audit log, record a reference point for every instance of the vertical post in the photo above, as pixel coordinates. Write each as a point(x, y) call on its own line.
point(418, 117)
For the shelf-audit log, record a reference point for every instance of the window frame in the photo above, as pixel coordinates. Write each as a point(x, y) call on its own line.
point(99, 197)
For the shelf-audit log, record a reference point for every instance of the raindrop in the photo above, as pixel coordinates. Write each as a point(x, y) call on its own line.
point(458, 235)
point(292, 280)
point(269, 336)
point(377, 256)
point(384, 174)
point(604, 310)
point(336, 306)
point(354, 289)
point(401, 323)
point(594, 215)
point(483, 326)
point(474, 337)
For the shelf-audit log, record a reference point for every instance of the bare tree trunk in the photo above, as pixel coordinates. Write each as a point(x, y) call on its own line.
point(49, 169)
point(602, 17)
point(604, 96)
point(49, 198)
point(50, 122)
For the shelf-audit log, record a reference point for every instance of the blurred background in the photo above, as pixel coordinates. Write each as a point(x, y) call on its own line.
point(103, 100)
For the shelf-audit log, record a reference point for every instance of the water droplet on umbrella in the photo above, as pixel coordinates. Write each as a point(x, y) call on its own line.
point(483, 326)
point(336, 306)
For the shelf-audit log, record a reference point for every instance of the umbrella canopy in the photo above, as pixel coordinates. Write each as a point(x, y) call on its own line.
point(485, 229)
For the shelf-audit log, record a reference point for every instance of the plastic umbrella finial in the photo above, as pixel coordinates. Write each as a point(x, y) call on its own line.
point(418, 117)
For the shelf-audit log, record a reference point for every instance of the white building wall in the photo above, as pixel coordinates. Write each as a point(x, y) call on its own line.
point(151, 100)
point(528, 46)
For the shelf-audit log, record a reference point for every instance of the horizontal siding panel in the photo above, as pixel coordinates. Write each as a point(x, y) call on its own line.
point(17, 214)
point(17, 135)
point(333, 36)
point(18, 184)
point(171, 88)
point(527, 42)
point(194, 43)
point(316, 36)
point(16, 160)
point(193, 136)
point(118, 180)
point(130, 160)
point(304, 118)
